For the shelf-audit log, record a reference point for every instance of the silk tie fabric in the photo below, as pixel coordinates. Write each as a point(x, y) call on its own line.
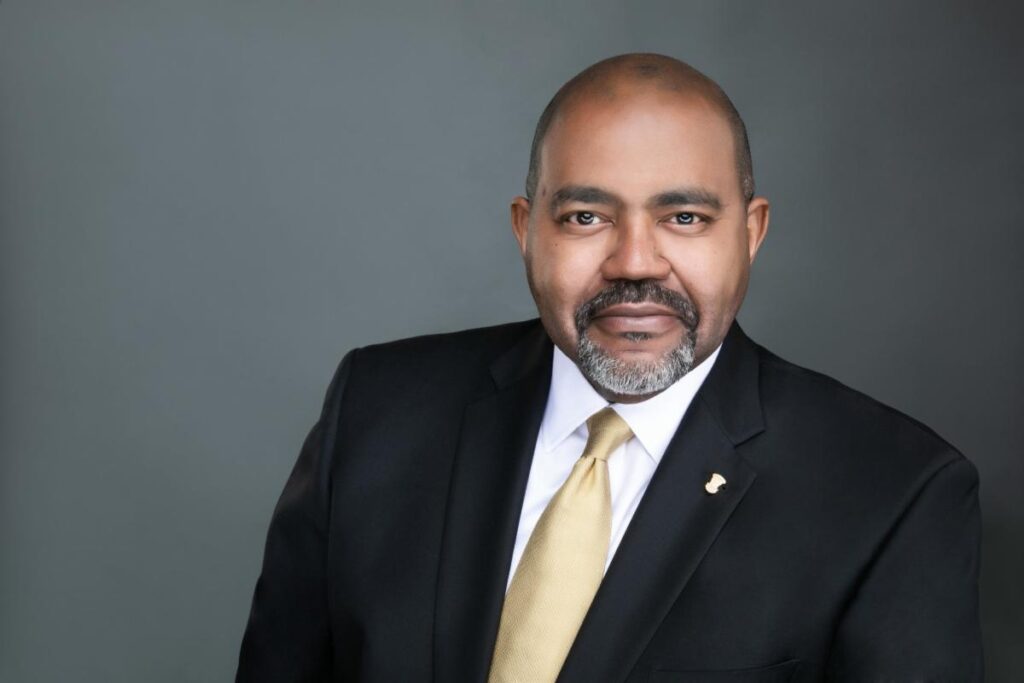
point(562, 564)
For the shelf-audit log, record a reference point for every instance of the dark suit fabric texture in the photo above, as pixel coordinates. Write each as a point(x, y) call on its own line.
point(844, 546)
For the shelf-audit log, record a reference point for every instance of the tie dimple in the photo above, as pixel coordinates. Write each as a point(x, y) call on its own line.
point(606, 431)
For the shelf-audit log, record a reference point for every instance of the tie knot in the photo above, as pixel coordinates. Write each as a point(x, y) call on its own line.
point(606, 432)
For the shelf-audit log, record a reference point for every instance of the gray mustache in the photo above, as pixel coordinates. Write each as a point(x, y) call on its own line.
point(635, 292)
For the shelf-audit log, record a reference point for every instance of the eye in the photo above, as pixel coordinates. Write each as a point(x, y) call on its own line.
point(688, 222)
point(583, 218)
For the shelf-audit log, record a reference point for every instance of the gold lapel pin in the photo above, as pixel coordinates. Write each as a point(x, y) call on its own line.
point(716, 482)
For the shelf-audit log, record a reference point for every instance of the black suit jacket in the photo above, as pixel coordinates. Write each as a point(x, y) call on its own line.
point(845, 545)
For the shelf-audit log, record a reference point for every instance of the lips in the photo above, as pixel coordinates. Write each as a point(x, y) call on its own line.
point(646, 318)
point(636, 311)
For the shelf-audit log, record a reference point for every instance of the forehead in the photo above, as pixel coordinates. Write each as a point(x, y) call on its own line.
point(639, 143)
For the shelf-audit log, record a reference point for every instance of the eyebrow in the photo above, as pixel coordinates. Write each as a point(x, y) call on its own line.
point(686, 195)
point(585, 194)
point(588, 194)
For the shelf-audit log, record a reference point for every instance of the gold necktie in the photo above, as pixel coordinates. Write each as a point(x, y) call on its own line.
point(562, 565)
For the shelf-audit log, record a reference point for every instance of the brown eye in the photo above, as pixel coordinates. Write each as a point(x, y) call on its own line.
point(585, 218)
point(686, 218)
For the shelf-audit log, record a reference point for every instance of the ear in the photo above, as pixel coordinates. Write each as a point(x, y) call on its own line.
point(758, 211)
point(521, 221)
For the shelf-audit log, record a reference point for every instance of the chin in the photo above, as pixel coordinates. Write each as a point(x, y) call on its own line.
point(634, 374)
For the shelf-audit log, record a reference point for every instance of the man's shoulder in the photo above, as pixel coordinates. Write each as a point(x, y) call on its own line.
point(821, 409)
point(477, 344)
point(441, 363)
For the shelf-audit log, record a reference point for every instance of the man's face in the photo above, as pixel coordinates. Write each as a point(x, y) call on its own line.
point(638, 243)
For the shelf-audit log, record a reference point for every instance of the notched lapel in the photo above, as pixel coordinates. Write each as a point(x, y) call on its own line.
point(676, 522)
point(491, 466)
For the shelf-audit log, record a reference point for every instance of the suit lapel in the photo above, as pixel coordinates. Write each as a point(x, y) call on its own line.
point(676, 521)
point(490, 470)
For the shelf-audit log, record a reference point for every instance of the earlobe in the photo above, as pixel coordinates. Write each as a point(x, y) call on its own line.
point(520, 210)
point(758, 211)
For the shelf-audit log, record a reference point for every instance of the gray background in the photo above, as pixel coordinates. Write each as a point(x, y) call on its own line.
point(203, 205)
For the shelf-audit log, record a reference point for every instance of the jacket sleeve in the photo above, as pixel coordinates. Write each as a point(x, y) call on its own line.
point(288, 635)
point(915, 615)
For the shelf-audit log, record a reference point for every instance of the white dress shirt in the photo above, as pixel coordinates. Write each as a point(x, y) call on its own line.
point(563, 434)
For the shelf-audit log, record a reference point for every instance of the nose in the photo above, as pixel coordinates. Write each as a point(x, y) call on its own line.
point(634, 254)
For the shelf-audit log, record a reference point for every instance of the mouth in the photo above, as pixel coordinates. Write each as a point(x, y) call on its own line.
point(636, 316)
point(643, 310)
point(647, 318)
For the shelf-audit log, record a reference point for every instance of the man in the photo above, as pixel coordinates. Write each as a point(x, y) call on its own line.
point(628, 489)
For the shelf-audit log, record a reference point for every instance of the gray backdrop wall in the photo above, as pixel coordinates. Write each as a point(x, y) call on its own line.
point(203, 205)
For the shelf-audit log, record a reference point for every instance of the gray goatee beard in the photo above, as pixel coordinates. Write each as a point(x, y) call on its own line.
point(638, 378)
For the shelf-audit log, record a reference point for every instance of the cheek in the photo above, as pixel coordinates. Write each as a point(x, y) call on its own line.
point(712, 272)
point(565, 272)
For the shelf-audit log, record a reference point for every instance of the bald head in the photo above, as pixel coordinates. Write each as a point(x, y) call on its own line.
point(616, 77)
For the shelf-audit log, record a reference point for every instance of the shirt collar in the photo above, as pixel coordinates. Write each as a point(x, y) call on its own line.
point(571, 400)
